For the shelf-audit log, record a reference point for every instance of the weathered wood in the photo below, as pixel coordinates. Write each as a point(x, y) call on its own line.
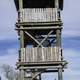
point(37, 28)
point(20, 4)
point(40, 67)
point(40, 24)
point(21, 34)
point(32, 38)
point(60, 76)
point(58, 42)
point(40, 54)
point(57, 4)
point(50, 63)
point(22, 75)
point(38, 14)
point(45, 38)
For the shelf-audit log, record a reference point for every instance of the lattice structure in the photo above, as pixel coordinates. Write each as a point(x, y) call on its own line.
point(39, 29)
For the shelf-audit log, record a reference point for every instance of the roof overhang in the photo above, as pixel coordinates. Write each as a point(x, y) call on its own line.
point(17, 4)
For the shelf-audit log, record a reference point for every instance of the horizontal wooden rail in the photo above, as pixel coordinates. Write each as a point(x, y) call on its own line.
point(37, 28)
point(38, 24)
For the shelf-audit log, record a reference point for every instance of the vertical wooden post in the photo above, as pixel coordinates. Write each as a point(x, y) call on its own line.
point(20, 4)
point(58, 34)
point(60, 77)
point(57, 4)
point(39, 76)
point(58, 10)
point(58, 40)
point(21, 32)
point(21, 41)
point(22, 75)
point(58, 44)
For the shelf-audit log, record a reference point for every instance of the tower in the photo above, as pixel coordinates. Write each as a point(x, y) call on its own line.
point(39, 28)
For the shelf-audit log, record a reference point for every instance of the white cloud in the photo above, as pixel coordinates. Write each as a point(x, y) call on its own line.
point(71, 53)
point(73, 70)
point(7, 19)
point(10, 57)
point(71, 33)
point(70, 17)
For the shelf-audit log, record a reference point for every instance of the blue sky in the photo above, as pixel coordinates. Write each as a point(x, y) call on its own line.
point(70, 36)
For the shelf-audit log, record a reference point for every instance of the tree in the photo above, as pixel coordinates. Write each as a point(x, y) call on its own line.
point(10, 73)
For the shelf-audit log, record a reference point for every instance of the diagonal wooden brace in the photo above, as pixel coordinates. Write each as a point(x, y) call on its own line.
point(45, 38)
point(33, 38)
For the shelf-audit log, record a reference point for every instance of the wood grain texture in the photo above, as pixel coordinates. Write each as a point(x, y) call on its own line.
point(38, 14)
point(41, 54)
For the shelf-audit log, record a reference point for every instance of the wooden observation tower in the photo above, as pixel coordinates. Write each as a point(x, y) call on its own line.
point(39, 29)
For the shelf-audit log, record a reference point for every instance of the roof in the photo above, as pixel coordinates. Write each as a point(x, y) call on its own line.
point(28, 2)
point(16, 4)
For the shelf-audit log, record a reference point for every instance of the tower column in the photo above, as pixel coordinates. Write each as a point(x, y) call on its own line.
point(60, 76)
point(57, 4)
point(22, 75)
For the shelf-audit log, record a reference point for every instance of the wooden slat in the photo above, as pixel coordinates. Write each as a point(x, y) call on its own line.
point(38, 15)
point(43, 54)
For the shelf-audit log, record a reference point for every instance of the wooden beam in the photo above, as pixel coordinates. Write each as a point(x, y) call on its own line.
point(54, 23)
point(58, 43)
point(48, 71)
point(40, 67)
point(42, 63)
point(57, 4)
point(60, 76)
point(21, 74)
point(40, 77)
point(20, 4)
point(33, 38)
point(38, 28)
point(45, 38)
point(58, 38)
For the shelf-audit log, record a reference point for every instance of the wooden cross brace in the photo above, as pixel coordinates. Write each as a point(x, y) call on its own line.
point(39, 43)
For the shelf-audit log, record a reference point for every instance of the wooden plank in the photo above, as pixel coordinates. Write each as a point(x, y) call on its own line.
point(21, 35)
point(39, 53)
point(35, 55)
point(58, 43)
point(40, 67)
point(43, 54)
point(22, 75)
point(38, 14)
point(45, 38)
point(57, 4)
point(48, 24)
point(38, 28)
point(42, 63)
point(60, 75)
point(33, 38)
point(20, 4)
